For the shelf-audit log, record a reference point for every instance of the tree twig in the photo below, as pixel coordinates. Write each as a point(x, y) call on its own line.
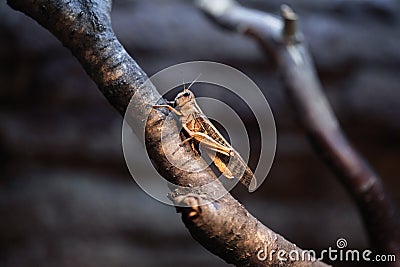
point(284, 43)
point(224, 226)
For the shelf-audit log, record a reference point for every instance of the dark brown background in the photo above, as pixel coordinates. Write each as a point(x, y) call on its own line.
point(66, 196)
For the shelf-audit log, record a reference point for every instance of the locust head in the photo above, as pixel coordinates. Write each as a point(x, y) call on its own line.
point(183, 98)
point(185, 101)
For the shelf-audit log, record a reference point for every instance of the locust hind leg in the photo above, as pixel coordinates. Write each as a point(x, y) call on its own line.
point(221, 166)
point(220, 151)
point(209, 142)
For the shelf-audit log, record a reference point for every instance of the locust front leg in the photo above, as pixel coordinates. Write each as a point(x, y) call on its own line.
point(169, 108)
point(212, 145)
point(191, 145)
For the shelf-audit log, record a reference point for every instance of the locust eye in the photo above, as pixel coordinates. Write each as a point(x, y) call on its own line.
point(186, 94)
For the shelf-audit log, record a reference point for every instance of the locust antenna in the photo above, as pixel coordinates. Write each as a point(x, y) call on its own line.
point(195, 80)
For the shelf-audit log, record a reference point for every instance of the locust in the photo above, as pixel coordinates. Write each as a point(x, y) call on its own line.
point(200, 130)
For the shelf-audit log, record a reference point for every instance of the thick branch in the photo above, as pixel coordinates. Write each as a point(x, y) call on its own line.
point(224, 227)
point(284, 44)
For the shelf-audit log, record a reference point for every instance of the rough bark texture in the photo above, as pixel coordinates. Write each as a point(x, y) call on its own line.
point(283, 42)
point(224, 227)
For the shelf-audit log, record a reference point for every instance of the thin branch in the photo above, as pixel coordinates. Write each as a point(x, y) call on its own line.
point(224, 226)
point(283, 43)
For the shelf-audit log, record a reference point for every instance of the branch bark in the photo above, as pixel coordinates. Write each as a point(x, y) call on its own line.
point(224, 226)
point(284, 44)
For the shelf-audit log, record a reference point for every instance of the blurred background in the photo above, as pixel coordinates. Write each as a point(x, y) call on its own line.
point(66, 196)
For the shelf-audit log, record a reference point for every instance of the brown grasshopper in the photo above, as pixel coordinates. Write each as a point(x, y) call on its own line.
point(201, 130)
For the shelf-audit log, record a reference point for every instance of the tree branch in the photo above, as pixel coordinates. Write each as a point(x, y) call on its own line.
point(224, 226)
point(283, 43)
